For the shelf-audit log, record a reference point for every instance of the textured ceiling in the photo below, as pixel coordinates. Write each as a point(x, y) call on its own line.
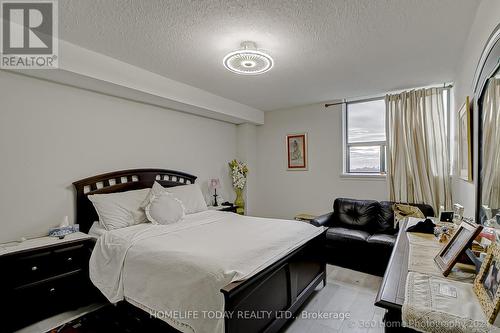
point(323, 49)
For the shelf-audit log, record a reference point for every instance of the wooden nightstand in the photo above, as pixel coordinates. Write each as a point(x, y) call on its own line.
point(43, 277)
point(223, 208)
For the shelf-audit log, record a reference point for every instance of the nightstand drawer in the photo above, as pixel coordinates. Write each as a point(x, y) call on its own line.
point(43, 299)
point(30, 268)
point(70, 258)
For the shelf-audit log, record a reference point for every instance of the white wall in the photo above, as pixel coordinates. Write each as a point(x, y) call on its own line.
point(283, 193)
point(83, 68)
point(247, 152)
point(52, 135)
point(486, 19)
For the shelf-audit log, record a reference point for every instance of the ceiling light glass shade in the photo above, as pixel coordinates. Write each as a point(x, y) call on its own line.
point(248, 60)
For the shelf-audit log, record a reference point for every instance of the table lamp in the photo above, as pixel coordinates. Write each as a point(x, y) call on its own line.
point(214, 184)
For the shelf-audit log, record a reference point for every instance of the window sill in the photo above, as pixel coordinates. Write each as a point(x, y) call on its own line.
point(364, 176)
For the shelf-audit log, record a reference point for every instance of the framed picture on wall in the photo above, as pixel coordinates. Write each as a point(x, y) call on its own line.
point(296, 151)
point(464, 153)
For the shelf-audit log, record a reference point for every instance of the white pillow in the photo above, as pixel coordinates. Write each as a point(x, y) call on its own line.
point(164, 209)
point(190, 196)
point(121, 209)
point(96, 230)
point(156, 190)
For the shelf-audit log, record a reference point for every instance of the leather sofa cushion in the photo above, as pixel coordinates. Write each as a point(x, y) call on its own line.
point(345, 234)
point(357, 214)
point(382, 239)
point(386, 223)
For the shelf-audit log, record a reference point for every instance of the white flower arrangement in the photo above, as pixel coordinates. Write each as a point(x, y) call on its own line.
point(239, 172)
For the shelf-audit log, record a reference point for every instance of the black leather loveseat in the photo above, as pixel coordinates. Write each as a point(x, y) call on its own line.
point(361, 233)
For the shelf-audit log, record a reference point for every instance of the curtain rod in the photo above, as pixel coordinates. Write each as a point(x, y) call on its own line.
point(345, 101)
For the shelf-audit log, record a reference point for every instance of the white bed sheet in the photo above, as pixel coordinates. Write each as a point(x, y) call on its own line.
point(177, 270)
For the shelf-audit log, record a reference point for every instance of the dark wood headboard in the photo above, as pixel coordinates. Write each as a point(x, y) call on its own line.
point(121, 181)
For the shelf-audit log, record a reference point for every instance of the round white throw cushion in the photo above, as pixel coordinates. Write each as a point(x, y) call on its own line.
point(164, 209)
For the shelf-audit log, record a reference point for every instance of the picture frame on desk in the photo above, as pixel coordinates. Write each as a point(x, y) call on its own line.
point(461, 240)
point(486, 284)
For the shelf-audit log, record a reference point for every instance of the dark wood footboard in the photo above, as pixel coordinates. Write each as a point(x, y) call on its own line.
point(266, 301)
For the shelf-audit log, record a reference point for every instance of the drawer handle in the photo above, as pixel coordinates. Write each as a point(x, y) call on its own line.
point(34, 268)
point(69, 259)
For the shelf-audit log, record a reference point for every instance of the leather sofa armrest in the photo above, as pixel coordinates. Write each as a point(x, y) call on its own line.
point(323, 220)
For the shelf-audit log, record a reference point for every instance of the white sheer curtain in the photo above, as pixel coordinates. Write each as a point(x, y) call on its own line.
point(491, 140)
point(418, 161)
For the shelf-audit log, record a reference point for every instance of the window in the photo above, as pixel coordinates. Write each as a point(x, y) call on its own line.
point(365, 137)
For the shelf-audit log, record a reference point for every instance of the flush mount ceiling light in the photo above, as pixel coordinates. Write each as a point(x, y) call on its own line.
point(248, 60)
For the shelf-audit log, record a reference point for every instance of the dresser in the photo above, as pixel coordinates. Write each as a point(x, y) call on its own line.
point(43, 277)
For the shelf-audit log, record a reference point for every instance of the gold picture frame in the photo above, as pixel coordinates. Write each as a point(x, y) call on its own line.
point(464, 146)
point(451, 252)
point(486, 284)
point(296, 150)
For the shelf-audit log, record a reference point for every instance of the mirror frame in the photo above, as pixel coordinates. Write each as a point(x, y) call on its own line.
point(488, 65)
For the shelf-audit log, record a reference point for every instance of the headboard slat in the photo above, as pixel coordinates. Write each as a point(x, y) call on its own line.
point(112, 182)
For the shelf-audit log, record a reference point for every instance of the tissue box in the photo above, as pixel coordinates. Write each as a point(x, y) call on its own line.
point(62, 231)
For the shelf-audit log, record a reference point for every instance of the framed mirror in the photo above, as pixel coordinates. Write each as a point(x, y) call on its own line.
point(487, 96)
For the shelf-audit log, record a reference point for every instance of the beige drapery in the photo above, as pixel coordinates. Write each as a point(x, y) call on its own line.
point(418, 162)
point(491, 140)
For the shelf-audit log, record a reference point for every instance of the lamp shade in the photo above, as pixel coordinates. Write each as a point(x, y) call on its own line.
point(214, 183)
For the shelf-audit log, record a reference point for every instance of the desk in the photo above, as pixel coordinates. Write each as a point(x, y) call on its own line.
point(391, 294)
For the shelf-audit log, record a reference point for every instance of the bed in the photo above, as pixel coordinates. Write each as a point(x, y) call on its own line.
point(261, 298)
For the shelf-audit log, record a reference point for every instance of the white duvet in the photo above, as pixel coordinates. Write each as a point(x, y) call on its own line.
point(176, 271)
